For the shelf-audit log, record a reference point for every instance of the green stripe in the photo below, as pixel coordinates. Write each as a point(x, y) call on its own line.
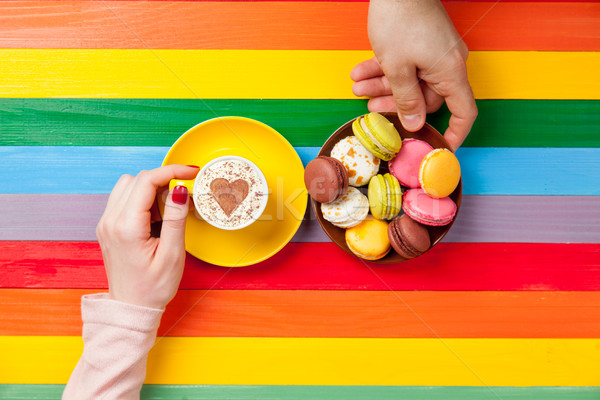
point(217, 392)
point(143, 122)
point(531, 123)
point(139, 122)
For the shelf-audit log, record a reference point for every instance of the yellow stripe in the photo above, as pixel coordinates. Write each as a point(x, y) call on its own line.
point(534, 75)
point(280, 74)
point(310, 361)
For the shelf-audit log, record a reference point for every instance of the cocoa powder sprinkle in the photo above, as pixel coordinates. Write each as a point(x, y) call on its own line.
point(230, 170)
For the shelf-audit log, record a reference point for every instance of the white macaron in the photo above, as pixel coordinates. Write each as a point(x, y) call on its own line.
point(347, 211)
point(361, 164)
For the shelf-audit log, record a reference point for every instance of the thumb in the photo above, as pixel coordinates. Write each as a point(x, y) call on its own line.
point(172, 234)
point(409, 99)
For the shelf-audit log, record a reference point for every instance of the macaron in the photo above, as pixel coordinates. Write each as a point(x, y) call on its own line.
point(347, 211)
point(409, 238)
point(369, 240)
point(360, 163)
point(385, 196)
point(378, 135)
point(439, 173)
point(405, 166)
point(326, 179)
point(428, 210)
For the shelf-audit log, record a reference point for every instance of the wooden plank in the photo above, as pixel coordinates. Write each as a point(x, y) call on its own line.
point(517, 219)
point(297, 392)
point(485, 171)
point(272, 74)
point(323, 266)
point(325, 361)
point(159, 122)
point(352, 1)
point(50, 217)
point(529, 171)
point(520, 25)
point(281, 25)
point(319, 313)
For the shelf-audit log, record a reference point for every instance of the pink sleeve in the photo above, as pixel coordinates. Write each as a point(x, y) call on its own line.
point(117, 338)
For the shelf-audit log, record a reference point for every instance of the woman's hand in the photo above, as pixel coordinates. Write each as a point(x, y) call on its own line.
point(419, 62)
point(141, 269)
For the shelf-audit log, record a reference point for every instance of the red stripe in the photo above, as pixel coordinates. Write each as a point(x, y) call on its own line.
point(449, 266)
point(527, 26)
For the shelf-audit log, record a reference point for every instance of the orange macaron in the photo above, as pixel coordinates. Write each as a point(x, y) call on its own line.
point(439, 173)
point(369, 240)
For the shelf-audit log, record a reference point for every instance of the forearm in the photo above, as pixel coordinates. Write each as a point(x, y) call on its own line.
point(117, 338)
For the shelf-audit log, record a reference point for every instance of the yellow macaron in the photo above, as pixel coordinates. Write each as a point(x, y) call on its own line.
point(369, 240)
point(439, 173)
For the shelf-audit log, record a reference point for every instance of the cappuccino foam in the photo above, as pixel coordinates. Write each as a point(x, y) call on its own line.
point(246, 210)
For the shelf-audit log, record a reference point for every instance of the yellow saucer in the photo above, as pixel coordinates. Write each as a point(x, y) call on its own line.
point(284, 172)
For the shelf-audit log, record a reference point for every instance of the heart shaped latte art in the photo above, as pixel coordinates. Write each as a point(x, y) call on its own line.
point(229, 195)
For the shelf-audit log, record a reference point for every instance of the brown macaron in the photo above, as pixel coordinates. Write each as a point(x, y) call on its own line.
point(326, 179)
point(409, 238)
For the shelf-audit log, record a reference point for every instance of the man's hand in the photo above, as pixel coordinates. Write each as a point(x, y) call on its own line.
point(419, 63)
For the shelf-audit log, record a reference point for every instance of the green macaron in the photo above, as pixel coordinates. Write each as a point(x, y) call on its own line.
point(364, 139)
point(378, 135)
point(385, 196)
point(396, 195)
point(377, 194)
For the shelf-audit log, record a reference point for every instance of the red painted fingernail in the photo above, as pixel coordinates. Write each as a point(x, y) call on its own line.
point(193, 166)
point(180, 195)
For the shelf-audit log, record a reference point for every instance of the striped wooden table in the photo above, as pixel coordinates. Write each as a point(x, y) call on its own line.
point(506, 307)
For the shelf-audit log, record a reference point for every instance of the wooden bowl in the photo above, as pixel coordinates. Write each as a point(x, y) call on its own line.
point(428, 134)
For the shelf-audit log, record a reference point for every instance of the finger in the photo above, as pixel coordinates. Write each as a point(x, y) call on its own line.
point(386, 103)
point(366, 69)
point(373, 87)
point(410, 102)
point(172, 234)
point(433, 100)
point(118, 192)
point(111, 212)
point(382, 104)
point(461, 104)
point(121, 209)
point(147, 183)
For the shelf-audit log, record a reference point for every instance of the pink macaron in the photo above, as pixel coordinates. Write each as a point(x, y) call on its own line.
point(429, 211)
point(405, 166)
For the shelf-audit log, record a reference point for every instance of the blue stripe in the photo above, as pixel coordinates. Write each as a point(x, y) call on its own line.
point(486, 171)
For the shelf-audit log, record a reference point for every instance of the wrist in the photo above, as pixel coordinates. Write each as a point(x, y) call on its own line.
point(130, 298)
point(407, 11)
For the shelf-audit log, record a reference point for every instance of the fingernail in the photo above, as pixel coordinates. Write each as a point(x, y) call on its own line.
point(180, 195)
point(411, 121)
point(193, 166)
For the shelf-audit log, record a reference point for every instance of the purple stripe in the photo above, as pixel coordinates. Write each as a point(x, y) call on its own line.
point(50, 216)
point(527, 219)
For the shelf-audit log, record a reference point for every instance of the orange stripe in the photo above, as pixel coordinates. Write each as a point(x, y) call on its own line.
point(183, 25)
point(281, 25)
point(377, 314)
